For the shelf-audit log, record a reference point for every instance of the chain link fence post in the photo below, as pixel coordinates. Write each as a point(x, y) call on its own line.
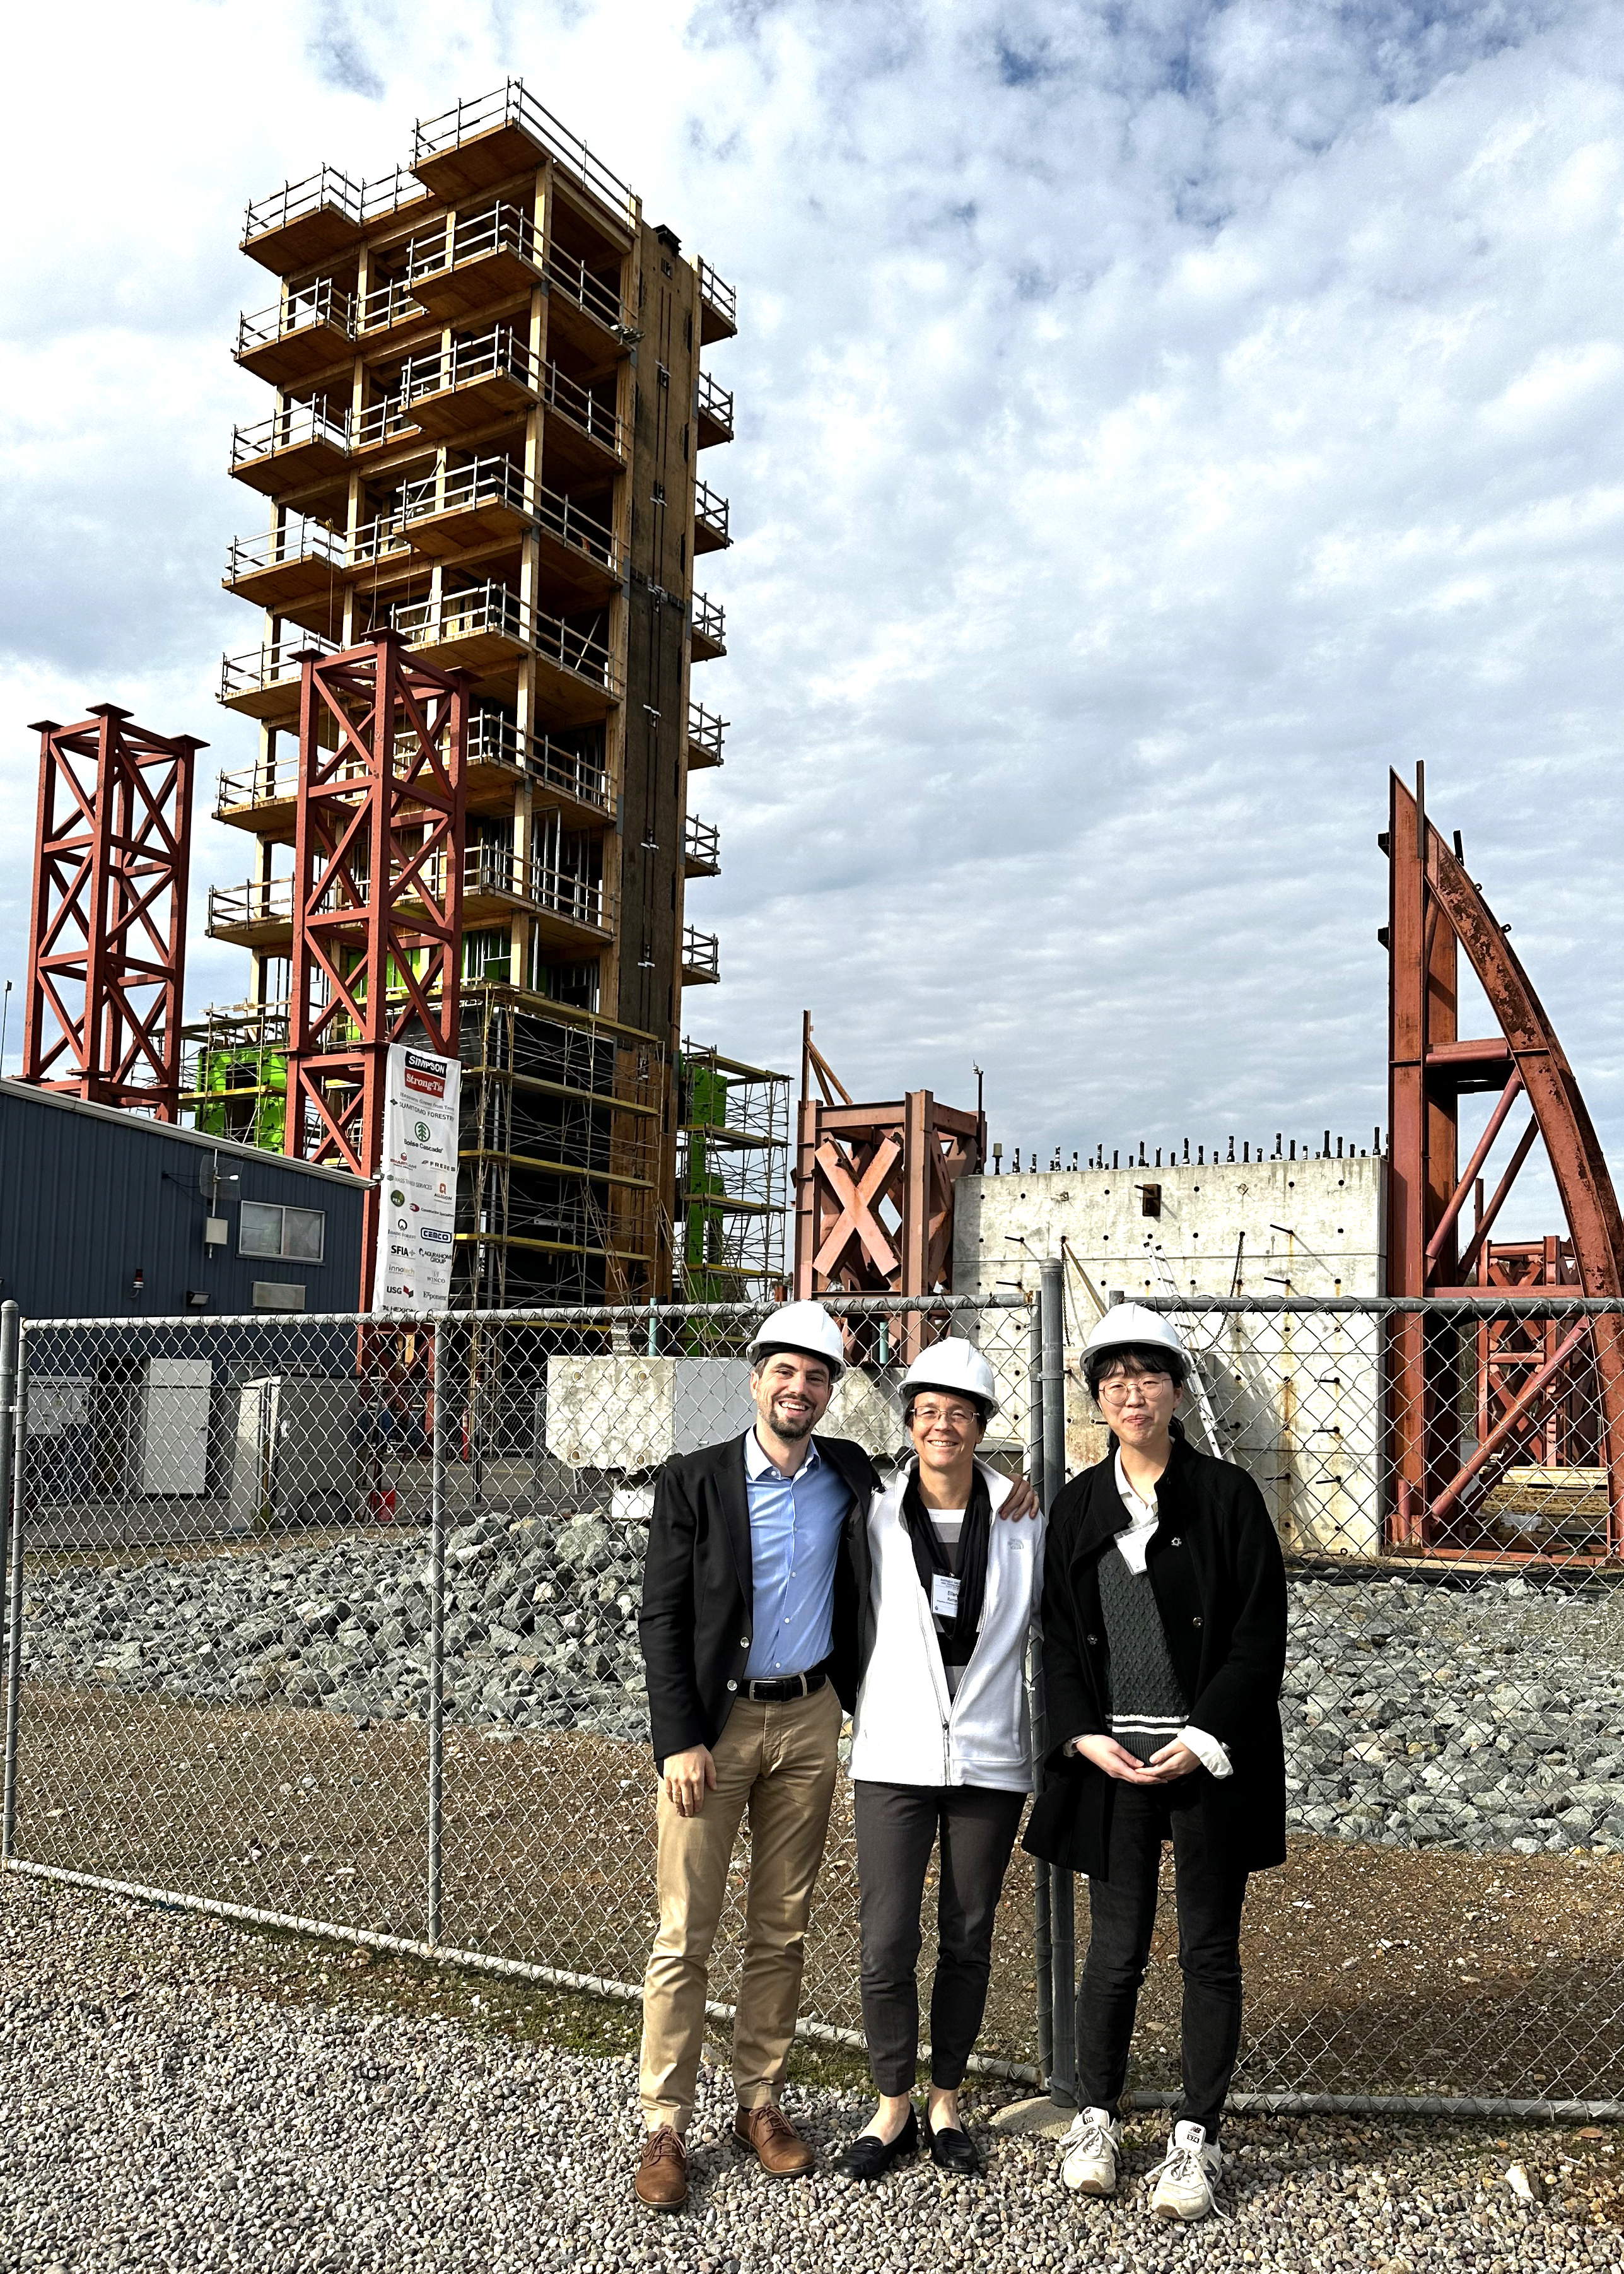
point(13, 1452)
point(1063, 1885)
point(437, 1625)
point(1042, 1920)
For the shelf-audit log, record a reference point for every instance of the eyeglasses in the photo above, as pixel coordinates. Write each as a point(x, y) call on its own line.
point(964, 1416)
point(1116, 1390)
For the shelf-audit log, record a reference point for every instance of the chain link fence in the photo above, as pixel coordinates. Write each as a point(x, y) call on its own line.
point(1450, 1924)
point(334, 1623)
point(336, 1620)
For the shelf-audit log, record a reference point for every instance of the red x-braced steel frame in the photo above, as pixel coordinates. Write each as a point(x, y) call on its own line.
point(107, 940)
point(376, 891)
point(874, 1194)
point(1548, 1392)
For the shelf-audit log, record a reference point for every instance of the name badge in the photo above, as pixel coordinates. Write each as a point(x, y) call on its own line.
point(943, 1595)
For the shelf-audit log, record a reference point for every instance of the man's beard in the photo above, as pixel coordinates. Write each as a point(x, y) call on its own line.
point(790, 1430)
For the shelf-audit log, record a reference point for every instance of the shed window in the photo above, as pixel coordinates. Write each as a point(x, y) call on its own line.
point(293, 1233)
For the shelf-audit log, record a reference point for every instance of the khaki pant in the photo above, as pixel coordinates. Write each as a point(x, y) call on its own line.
point(776, 1763)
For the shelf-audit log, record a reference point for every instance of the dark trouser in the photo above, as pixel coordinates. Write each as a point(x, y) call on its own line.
point(1123, 1913)
point(896, 1828)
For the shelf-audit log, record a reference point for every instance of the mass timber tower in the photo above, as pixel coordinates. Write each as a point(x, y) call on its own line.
point(481, 466)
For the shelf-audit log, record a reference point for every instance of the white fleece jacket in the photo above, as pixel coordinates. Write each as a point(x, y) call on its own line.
point(906, 1729)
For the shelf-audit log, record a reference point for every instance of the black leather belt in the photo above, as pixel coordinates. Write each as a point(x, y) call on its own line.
point(788, 1685)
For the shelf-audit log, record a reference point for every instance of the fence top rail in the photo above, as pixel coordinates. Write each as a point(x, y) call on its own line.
point(560, 1314)
point(1554, 1304)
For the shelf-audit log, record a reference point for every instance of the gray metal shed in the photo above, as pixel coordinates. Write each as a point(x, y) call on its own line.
point(108, 1214)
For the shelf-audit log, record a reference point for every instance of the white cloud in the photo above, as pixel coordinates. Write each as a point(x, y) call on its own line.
point(1153, 423)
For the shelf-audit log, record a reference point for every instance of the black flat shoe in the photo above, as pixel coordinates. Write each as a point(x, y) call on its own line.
point(869, 2158)
point(954, 2150)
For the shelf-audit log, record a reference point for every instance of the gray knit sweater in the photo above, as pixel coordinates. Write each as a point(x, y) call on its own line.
point(1148, 1707)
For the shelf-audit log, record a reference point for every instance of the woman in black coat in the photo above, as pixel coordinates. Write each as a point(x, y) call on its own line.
point(1164, 1645)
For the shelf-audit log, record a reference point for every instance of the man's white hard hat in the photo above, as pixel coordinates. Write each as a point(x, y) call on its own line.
point(956, 1364)
point(804, 1327)
point(1130, 1323)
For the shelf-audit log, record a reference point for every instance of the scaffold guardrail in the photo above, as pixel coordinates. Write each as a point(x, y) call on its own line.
point(513, 104)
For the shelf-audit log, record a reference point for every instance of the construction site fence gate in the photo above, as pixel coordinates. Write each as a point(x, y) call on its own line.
point(330, 1622)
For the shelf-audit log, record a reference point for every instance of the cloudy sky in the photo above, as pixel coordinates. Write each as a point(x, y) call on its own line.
point(1156, 421)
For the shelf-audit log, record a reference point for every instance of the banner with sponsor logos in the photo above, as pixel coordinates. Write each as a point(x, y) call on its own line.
point(417, 1199)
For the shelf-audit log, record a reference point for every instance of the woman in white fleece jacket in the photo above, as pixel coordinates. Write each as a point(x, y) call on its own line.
point(941, 1747)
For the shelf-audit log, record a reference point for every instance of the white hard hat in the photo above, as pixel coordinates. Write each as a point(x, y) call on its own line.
point(953, 1363)
point(804, 1327)
point(1131, 1323)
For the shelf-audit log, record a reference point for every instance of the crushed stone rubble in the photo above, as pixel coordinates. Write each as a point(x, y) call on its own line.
point(161, 2106)
point(1489, 1716)
point(540, 1633)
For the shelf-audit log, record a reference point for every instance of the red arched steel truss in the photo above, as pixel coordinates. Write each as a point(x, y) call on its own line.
point(377, 889)
point(1550, 1391)
point(107, 941)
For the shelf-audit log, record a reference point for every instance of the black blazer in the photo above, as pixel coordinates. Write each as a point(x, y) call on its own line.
point(1220, 1584)
point(697, 1595)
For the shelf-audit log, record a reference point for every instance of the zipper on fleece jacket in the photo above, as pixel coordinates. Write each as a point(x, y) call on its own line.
point(938, 1675)
point(947, 1706)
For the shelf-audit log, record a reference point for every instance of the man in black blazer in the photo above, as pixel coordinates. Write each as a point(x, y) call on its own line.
point(748, 1632)
point(755, 1596)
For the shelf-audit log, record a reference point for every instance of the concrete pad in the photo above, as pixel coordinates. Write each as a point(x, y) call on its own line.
point(1038, 2119)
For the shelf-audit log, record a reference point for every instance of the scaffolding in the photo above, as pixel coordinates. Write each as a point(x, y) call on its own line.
point(561, 1136)
point(731, 1177)
point(234, 1074)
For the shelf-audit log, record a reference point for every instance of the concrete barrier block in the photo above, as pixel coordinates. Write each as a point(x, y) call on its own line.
point(613, 1412)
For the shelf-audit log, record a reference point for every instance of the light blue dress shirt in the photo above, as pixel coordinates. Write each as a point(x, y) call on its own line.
point(795, 1527)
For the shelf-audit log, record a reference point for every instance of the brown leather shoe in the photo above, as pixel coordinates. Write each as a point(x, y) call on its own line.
point(773, 2141)
point(662, 2175)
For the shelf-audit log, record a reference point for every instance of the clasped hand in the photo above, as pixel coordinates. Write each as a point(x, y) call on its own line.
point(1163, 1767)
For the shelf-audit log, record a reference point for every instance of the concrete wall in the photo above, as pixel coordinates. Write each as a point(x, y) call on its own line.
point(1296, 1401)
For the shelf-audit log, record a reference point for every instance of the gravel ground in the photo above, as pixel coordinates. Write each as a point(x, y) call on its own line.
point(177, 2093)
point(1371, 1969)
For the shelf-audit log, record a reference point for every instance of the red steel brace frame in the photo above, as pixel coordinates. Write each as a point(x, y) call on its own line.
point(1529, 1373)
point(376, 891)
point(874, 1197)
point(107, 938)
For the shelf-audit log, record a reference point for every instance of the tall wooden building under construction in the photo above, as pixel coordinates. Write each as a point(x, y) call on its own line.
point(485, 435)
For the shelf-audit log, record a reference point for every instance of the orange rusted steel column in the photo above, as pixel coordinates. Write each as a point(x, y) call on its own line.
point(1407, 1131)
point(806, 1199)
point(107, 935)
point(919, 1144)
point(379, 851)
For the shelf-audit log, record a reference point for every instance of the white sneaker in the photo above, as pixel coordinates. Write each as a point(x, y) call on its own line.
point(1186, 2175)
point(1088, 2152)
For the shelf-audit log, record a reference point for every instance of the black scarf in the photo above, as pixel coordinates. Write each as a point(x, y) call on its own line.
point(957, 1634)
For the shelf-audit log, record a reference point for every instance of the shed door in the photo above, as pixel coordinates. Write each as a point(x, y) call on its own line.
point(174, 1437)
